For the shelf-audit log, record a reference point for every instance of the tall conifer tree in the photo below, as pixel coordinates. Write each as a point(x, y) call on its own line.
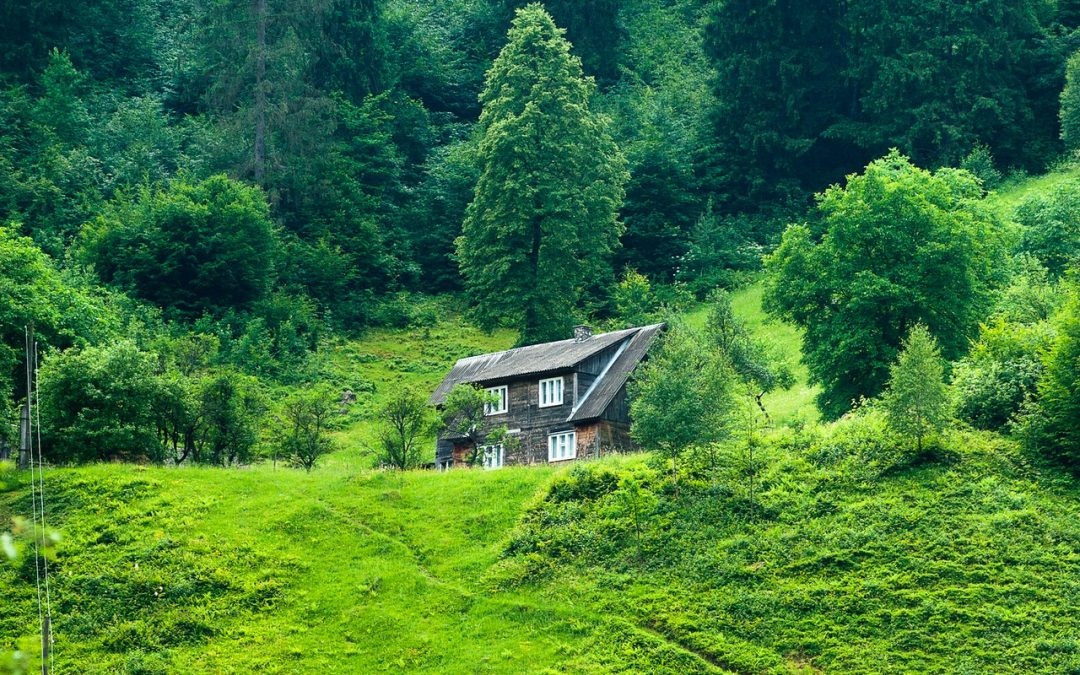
point(543, 221)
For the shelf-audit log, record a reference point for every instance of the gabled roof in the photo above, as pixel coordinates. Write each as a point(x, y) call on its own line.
point(616, 373)
point(544, 358)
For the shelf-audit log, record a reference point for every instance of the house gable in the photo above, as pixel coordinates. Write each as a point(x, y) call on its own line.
point(594, 372)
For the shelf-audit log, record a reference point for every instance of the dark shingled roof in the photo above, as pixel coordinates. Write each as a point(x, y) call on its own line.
point(546, 357)
point(599, 396)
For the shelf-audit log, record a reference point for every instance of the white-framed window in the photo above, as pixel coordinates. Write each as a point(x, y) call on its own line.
point(562, 446)
point(493, 456)
point(501, 405)
point(551, 392)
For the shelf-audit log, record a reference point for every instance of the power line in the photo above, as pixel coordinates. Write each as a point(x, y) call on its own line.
point(41, 502)
point(38, 521)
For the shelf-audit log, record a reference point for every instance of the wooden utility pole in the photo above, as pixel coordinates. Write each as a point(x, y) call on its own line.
point(46, 643)
point(24, 436)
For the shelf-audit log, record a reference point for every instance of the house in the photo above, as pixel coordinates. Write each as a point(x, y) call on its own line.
point(560, 400)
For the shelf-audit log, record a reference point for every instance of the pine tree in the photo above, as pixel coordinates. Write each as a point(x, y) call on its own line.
point(543, 220)
point(916, 402)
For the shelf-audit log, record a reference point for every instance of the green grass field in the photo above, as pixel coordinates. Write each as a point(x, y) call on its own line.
point(203, 570)
point(1012, 192)
point(968, 565)
point(964, 562)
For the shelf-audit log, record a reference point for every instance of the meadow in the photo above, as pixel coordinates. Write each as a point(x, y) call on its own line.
point(845, 558)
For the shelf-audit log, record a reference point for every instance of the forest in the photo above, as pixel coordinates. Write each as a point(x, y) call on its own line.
point(253, 233)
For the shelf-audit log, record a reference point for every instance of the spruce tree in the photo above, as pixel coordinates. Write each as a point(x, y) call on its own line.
point(543, 221)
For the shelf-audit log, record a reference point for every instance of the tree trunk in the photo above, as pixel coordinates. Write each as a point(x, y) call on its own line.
point(259, 159)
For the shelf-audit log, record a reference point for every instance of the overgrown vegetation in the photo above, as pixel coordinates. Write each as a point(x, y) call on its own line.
point(251, 236)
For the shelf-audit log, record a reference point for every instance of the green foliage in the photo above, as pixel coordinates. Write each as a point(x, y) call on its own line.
point(62, 308)
point(916, 400)
point(593, 27)
point(659, 211)
point(1051, 222)
point(720, 250)
point(770, 62)
point(896, 246)
point(541, 227)
point(1031, 296)
point(1052, 427)
point(980, 163)
point(999, 375)
point(97, 404)
point(806, 93)
point(1069, 115)
point(992, 383)
point(302, 425)
point(635, 302)
point(232, 405)
point(405, 422)
point(193, 247)
point(682, 396)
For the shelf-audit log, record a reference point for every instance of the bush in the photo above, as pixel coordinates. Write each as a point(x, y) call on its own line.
point(1053, 426)
point(991, 384)
point(1051, 222)
point(981, 163)
point(191, 247)
point(97, 404)
point(582, 483)
point(862, 437)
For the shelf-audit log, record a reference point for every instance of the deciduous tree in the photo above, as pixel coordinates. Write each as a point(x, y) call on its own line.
point(917, 401)
point(190, 247)
point(683, 396)
point(302, 426)
point(405, 421)
point(896, 246)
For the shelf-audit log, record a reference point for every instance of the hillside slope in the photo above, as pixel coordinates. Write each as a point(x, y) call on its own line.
point(965, 565)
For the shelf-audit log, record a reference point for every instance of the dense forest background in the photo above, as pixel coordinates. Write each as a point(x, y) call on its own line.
point(225, 184)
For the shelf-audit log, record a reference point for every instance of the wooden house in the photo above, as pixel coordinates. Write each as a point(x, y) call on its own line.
point(559, 401)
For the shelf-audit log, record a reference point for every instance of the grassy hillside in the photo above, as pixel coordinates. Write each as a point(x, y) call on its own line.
point(851, 556)
point(234, 571)
point(1012, 192)
point(966, 564)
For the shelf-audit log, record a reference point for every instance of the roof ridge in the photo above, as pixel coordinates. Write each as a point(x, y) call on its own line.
point(555, 342)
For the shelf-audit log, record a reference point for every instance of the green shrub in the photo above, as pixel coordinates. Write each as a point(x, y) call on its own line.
point(97, 404)
point(1054, 424)
point(583, 482)
point(981, 163)
point(1051, 221)
point(991, 384)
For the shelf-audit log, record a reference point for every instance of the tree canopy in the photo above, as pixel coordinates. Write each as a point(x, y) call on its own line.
point(192, 247)
point(896, 246)
point(543, 221)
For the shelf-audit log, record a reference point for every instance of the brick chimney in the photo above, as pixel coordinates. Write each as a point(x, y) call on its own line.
point(582, 333)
